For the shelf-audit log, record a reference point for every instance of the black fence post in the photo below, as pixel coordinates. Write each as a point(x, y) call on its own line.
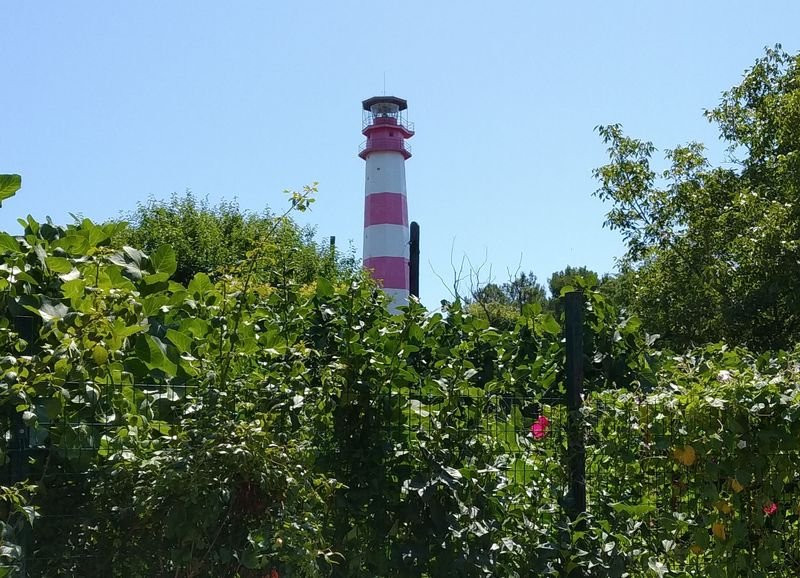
point(413, 262)
point(573, 310)
point(331, 268)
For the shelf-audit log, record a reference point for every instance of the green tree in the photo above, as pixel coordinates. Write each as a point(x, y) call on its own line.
point(560, 279)
point(502, 304)
point(213, 238)
point(713, 252)
point(613, 287)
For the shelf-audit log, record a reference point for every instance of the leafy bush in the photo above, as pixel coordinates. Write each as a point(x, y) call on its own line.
point(266, 425)
point(705, 467)
point(213, 239)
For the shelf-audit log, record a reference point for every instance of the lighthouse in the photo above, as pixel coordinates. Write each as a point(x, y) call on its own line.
point(386, 233)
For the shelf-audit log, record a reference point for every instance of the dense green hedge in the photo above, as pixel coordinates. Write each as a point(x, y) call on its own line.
point(705, 468)
point(232, 426)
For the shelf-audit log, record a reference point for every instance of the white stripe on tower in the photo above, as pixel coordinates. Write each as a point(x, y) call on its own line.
point(386, 233)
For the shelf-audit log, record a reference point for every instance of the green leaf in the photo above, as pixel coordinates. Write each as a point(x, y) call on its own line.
point(153, 352)
point(199, 328)
point(635, 510)
point(9, 185)
point(200, 284)
point(160, 427)
point(53, 407)
point(9, 244)
point(156, 279)
point(99, 354)
point(250, 560)
point(73, 289)
point(506, 433)
point(58, 264)
point(130, 260)
point(151, 305)
point(324, 288)
point(549, 325)
point(521, 472)
point(164, 261)
point(105, 446)
point(121, 330)
point(116, 279)
point(51, 310)
point(182, 341)
point(74, 243)
point(566, 289)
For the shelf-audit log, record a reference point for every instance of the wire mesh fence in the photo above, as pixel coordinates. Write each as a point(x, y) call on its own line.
point(62, 441)
point(669, 476)
point(643, 475)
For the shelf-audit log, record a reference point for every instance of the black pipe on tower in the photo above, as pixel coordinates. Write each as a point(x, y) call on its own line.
point(413, 261)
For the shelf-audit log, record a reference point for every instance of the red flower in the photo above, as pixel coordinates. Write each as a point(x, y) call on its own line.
point(540, 427)
point(770, 509)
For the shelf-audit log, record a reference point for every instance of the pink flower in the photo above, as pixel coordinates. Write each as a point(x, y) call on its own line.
point(770, 509)
point(540, 427)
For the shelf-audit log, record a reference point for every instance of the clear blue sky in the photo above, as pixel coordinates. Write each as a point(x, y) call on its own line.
point(106, 103)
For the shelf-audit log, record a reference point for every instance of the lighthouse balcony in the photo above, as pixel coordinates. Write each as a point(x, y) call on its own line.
point(376, 144)
point(390, 119)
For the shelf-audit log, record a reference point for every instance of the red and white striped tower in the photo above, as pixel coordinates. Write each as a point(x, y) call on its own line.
point(385, 208)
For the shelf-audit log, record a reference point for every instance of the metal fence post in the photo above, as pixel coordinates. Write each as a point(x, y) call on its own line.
point(573, 310)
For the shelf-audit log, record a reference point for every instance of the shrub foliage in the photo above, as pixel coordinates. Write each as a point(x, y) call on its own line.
point(270, 426)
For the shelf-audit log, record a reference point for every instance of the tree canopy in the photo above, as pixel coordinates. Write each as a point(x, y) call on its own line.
point(503, 304)
point(212, 239)
point(713, 250)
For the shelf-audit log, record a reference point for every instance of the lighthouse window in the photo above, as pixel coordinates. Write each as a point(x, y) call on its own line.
point(391, 134)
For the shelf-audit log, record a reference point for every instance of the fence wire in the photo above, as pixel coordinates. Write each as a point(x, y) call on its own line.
point(633, 474)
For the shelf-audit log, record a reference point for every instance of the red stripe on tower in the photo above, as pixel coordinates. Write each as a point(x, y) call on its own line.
point(390, 270)
point(386, 235)
point(385, 209)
